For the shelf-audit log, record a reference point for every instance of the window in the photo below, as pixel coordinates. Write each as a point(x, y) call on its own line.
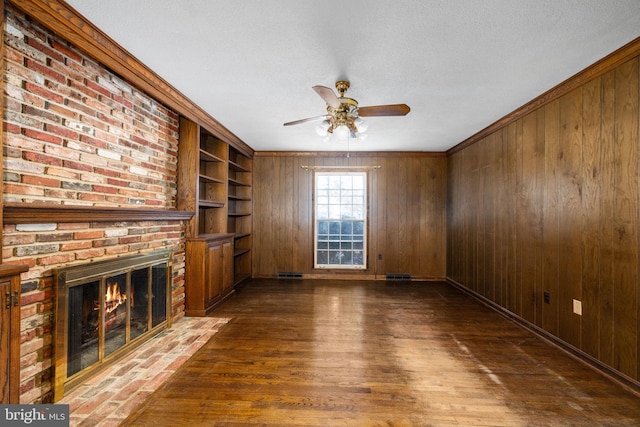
point(340, 220)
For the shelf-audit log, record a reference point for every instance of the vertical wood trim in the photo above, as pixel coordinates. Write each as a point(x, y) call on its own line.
point(570, 194)
point(607, 205)
point(492, 211)
point(188, 183)
point(538, 200)
point(520, 219)
point(591, 235)
point(511, 290)
point(626, 218)
point(551, 230)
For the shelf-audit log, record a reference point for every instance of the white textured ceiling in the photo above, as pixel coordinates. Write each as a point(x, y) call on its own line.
point(459, 64)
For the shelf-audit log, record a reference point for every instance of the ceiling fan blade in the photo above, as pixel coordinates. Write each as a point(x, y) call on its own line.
point(310, 119)
point(384, 110)
point(328, 95)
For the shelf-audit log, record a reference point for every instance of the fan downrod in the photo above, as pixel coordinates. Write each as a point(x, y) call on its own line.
point(342, 87)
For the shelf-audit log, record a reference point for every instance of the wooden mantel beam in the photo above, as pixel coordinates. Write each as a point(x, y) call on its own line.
point(24, 213)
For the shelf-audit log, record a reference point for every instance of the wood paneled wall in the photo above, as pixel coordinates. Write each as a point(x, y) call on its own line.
point(407, 213)
point(550, 202)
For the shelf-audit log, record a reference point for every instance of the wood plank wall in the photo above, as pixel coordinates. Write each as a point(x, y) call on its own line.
point(407, 217)
point(550, 202)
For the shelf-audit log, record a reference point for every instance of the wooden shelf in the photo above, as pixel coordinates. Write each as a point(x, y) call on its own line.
point(239, 214)
point(206, 178)
point(236, 167)
point(208, 157)
point(242, 199)
point(210, 204)
point(238, 183)
point(239, 252)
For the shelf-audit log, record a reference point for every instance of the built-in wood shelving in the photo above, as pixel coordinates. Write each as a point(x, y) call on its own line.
point(215, 180)
point(240, 208)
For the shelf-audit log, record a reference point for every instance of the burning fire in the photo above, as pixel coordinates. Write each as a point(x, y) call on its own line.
point(113, 298)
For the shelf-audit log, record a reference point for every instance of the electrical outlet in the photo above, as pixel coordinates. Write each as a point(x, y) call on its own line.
point(547, 297)
point(577, 307)
point(379, 256)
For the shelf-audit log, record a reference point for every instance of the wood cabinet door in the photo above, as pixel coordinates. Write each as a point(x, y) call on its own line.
point(9, 340)
point(227, 265)
point(5, 340)
point(213, 285)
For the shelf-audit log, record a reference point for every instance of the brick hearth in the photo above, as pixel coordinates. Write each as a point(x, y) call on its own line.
point(109, 397)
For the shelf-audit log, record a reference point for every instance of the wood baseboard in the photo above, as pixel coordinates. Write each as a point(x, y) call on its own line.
point(338, 276)
point(606, 370)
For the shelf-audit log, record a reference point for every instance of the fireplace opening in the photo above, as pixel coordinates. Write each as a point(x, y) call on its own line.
point(104, 310)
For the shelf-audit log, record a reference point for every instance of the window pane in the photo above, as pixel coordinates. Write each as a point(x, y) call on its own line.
point(334, 211)
point(323, 182)
point(358, 257)
point(346, 212)
point(322, 212)
point(340, 198)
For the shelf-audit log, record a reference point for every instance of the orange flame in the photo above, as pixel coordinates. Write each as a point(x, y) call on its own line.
point(113, 298)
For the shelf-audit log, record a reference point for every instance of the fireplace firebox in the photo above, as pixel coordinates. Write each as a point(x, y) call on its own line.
point(104, 310)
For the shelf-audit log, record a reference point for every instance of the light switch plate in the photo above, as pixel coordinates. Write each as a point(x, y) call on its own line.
point(577, 307)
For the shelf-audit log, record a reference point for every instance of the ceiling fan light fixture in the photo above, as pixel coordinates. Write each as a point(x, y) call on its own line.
point(342, 120)
point(360, 124)
point(323, 128)
point(342, 132)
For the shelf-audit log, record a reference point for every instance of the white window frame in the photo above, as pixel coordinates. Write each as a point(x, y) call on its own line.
point(348, 243)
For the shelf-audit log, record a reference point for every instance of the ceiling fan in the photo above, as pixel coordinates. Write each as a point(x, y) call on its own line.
point(344, 113)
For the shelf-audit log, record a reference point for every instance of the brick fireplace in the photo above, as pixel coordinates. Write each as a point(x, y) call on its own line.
point(90, 171)
point(104, 310)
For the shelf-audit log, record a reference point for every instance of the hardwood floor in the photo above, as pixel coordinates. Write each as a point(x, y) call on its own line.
point(350, 353)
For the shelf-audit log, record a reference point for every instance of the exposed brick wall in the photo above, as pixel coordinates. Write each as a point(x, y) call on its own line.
point(77, 134)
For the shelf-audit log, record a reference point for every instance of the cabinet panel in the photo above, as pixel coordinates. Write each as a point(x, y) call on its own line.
point(5, 341)
point(10, 333)
point(213, 284)
point(227, 266)
point(209, 272)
